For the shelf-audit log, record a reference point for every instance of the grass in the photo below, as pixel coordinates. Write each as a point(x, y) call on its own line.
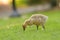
point(11, 29)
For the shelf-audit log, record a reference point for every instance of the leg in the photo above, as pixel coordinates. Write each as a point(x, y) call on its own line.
point(43, 27)
point(37, 27)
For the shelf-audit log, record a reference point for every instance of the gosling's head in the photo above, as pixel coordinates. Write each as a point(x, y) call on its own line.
point(25, 24)
point(24, 27)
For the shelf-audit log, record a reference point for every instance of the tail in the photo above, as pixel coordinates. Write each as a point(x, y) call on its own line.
point(46, 18)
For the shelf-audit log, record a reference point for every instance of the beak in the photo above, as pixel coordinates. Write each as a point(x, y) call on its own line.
point(24, 28)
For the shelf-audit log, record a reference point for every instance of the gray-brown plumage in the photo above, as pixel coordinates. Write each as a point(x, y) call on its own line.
point(36, 19)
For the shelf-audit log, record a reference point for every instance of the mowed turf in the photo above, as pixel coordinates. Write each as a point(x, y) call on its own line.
point(11, 29)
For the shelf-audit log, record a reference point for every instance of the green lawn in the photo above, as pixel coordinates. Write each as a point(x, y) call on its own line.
point(11, 29)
